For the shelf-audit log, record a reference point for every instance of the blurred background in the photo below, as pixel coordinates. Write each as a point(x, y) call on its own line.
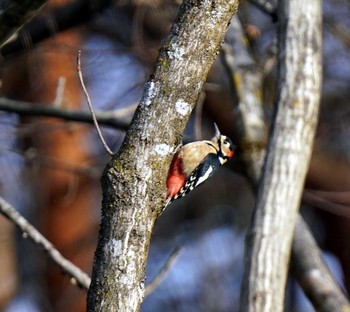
point(50, 167)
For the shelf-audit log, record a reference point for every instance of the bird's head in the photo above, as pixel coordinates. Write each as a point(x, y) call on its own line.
point(225, 146)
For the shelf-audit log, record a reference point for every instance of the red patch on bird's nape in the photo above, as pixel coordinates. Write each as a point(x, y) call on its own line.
point(231, 154)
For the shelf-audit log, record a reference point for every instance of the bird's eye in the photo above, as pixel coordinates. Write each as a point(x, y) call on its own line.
point(226, 143)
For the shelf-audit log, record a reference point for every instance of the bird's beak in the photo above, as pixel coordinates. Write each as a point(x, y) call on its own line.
point(217, 132)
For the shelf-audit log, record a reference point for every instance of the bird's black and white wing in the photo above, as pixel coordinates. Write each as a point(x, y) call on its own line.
point(200, 174)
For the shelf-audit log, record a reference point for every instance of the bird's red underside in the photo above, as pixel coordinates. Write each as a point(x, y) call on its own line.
point(176, 179)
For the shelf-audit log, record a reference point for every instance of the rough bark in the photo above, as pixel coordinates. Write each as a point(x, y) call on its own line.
point(270, 235)
point(134, 181)
point(14, 14)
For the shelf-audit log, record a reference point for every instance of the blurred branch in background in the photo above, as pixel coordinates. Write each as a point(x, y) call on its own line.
point(267, 6)
point(14, 14)
point(61, 18)
point(313, 274)
point(118, 119)
point(77, 275)
point(32, 156)
point(328, 201)
point(246, 82)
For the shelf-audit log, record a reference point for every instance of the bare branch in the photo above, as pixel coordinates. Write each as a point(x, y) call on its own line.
point(323, 291)
point(117, 119)
point(14, 14)
point(152, 286)
point(77, 275)
point(105, 145)
point(246, 81)
point(66, 16)
point(316, 200)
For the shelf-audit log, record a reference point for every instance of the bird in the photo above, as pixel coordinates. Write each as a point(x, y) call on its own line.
point(194, 163)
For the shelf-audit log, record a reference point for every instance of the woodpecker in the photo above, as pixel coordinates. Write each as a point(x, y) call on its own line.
point(194, 163)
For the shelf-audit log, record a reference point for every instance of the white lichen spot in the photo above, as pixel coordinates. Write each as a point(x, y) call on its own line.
point(182, 107)
point(115, 247)
point(176, 52)
point(179, 52)
point(163, 149)
point(150, 94)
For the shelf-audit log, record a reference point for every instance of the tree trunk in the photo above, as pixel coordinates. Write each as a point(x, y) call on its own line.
point(270, 235)
point(134, 181)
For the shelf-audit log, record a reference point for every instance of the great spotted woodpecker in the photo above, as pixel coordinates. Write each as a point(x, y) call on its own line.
point(194, 163)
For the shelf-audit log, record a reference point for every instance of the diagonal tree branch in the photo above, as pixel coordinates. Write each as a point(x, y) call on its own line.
point(14, 14)
point(63, 17)
point(78, 276)
point(313, 274)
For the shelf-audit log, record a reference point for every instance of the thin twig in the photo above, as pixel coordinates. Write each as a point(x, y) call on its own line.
point(77, 275)
point(153, 285)
point(109, 151)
